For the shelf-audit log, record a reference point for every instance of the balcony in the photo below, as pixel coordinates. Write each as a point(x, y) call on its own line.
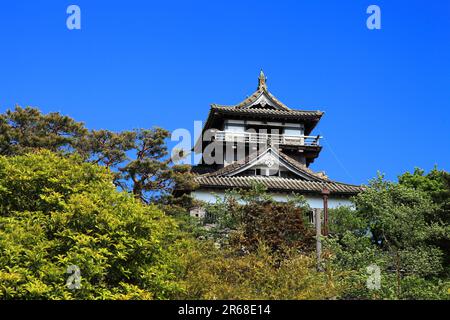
point(267, 138)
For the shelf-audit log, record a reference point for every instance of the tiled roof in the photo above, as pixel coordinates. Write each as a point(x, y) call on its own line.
point(265, 111)
point(308, 180)
point(261, 91)
point(277, 184)
point(243, 162)
point(263, 105)
point(301, 167)
point(254, 105)
point(251, 99)
point(308, 118)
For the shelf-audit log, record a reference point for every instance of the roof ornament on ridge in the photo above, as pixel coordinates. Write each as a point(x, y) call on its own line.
point(262, 79)
point(261, 99)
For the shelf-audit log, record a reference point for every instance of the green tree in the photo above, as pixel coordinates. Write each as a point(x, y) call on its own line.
point(138, 159)
point(60, 211)
point(246, 218)
point(26, 129)
point(106, 148)
point(436, 184)
point(152, 173)
point(213, 273)
point(389, 228)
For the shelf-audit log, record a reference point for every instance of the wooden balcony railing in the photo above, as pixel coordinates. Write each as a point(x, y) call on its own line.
point(269, 138)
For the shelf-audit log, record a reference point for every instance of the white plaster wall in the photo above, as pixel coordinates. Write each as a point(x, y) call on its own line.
point(234, 127)
point(313, 201)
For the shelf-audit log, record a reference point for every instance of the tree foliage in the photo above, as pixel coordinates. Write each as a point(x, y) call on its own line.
point(59, 211)
point(213, 273)
point(60, 206)
point(390, 228)
point(250, 217)
point(436, 184)
point(138, 158)
point(152, 173)
point(27, 129)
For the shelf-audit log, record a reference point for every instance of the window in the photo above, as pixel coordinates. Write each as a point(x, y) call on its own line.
point(310, 216)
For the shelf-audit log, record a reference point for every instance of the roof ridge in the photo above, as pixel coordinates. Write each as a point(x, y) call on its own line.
point(248, 159)
point(261, 90)
point(303, 167)
point(276, 177)
point(279, 183)
point(237, 164)
point(234, 108)
point(240, 163)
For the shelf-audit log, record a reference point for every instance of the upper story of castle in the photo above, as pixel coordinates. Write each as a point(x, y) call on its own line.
point(262, 120)
point(261, 140)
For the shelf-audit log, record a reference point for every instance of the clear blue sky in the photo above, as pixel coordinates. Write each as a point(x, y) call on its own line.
point(385, 93)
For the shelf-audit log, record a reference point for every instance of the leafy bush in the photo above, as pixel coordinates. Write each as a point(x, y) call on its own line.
point(390, 228)
point(252, 216)
point(277, 224)
point(56, 212)
point(436, 184)
point(261, 250)
point(261, 274)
